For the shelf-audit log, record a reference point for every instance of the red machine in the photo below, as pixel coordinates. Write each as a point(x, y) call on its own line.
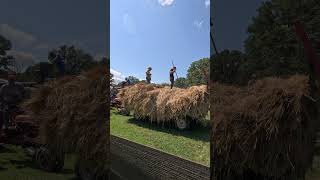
point(24, 132)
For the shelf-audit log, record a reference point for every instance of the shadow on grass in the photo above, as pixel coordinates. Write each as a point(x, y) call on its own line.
point(4, 149)
point(74, 178)
point(20, 164)
point(197, 132)
point(3, 169)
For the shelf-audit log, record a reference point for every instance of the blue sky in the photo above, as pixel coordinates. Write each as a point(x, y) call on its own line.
point(154, 32)
point(231, 19)
point(35, 27)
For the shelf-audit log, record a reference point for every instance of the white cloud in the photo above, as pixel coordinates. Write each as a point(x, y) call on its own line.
point(117, 76)
point(198, 24)
point(42, 46)
point(165, 2)
point(22, 60)
point(207, 3)
point(16, 36)
point(129, 24)
point(21, 39)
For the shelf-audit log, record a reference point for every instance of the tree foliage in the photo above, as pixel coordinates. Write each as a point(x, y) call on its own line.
point(181, 82)
point(272, 46)
point(132, 79)
point(75, 60)
point(165, 84)
point(226, 67)
point(5, 60)
point(5, 45)
point(196, 72)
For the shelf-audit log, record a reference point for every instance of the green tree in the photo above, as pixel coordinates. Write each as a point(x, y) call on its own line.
point(5, 60)
point(197, 70)
point(133, 80)
point(228, 67)
point(272, 46)
point(5, 45)
point(76, 60)
point(164, 84)
point(181, 82)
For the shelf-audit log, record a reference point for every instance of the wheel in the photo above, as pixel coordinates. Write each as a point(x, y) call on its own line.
point(124, 112)
point(182, 124)
point(49, 161)
point(135, 116)
point(59, 162)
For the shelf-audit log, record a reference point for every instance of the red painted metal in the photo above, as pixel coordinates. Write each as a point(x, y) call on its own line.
point(309, 50)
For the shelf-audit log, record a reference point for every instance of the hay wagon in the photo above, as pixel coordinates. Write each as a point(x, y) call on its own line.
point(25, 133)
point(67, 115)
point(22, 131)
point(72, 113)
point(115, 102)
point(163, 105)
point(267, 130)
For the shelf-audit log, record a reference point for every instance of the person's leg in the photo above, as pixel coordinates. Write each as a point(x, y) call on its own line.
point(5, 117)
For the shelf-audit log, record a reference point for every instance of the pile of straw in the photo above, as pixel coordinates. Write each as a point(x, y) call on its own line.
point(162, 104)
point(264, 131)
point(73, 114)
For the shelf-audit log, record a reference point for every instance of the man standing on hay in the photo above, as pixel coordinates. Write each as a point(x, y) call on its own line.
point(58, 59)
point(148, 75)
point(172, 71)
point(11, 94)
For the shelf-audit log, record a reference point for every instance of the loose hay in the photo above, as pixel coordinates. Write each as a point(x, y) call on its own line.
point(266, 130)
point(162, 104)
point(73, 114)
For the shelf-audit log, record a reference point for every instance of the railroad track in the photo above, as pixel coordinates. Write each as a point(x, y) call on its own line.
point(134, 161)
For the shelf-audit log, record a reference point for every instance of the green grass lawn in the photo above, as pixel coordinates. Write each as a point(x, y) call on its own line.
point(314, 174)
point(192, 145)
point(15, 165)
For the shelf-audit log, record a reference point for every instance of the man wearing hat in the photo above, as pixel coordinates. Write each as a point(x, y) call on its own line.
point(148, 75)
point(11, 94)
point(58, 59)
point(172, 71)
